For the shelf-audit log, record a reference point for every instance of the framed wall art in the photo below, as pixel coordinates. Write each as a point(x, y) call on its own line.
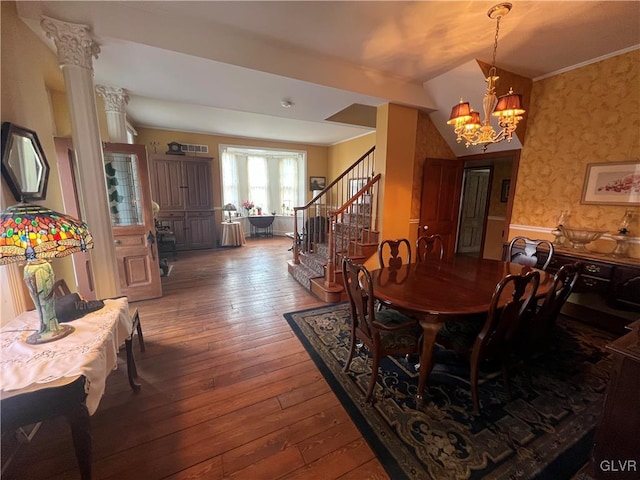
point(612, 184)
point(317, 183)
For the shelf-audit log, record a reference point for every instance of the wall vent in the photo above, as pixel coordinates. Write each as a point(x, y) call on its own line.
point(190, 148)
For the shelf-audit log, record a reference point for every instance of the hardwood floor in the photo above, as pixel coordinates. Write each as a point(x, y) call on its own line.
point(228, 391)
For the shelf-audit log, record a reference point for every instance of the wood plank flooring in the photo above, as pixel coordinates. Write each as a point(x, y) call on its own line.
point(228, 391)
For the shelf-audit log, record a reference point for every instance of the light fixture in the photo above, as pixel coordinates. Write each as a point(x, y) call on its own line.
point(229, 207)
point(508, 108)
point(35, 234)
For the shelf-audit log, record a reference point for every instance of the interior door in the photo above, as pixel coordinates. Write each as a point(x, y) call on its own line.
point(441, 187)
point(473, 211)
point(129, 192)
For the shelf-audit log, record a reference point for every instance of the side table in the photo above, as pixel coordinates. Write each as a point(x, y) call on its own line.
point(232, 235)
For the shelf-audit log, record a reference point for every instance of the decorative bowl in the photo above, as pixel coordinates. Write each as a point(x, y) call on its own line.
point(580, 237)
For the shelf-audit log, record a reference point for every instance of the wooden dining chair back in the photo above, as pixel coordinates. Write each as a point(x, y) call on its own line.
point(526, 251)
point(537, 328)
point(501, 325)
point(399, 253)
point(429, 246)
point(387, 332)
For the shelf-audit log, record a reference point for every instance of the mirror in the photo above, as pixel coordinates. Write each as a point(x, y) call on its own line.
point(24, 165)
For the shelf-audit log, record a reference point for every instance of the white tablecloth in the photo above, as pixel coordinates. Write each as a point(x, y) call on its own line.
point(91, 350)
point(232, 235)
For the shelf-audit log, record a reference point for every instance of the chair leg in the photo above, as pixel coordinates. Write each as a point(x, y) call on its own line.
point(474, 389)
point(351, 352)
point(374, 377)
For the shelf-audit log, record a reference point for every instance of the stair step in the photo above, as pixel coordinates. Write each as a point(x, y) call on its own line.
point(315, 262)
point(301, 273)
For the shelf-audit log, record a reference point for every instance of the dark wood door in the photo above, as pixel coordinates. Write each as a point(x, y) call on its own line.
point(441, 188)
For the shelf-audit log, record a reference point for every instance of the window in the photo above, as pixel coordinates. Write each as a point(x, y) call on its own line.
point(272, 179)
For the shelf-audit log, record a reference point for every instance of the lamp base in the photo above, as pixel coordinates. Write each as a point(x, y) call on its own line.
point(50, 336)
point(39, 277)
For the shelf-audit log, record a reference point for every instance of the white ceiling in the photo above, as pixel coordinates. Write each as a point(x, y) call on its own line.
point(225, 67)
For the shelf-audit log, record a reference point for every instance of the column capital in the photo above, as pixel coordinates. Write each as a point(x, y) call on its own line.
point(74, 42)
point(115, 99)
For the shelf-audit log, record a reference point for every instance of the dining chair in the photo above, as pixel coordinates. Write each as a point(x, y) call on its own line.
point(429, 245)
point(525, 251)
point(399, 250)
point(510, 303)
point(387, 332)
point(60, 288)
point(537, 328)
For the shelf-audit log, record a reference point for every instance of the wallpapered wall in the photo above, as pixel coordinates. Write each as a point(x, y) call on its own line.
point(587, 115)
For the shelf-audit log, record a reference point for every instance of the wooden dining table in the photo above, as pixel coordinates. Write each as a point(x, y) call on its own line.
point(440, 291)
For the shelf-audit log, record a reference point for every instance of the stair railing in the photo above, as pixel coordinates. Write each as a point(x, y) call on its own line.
point(358, 219)
point(316, 213)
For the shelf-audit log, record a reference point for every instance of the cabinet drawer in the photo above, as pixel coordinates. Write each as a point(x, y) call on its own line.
point(587, 283)
point(596, 269)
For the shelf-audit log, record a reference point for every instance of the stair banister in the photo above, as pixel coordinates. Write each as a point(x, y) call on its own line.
point(327, 189)
point(330, 274)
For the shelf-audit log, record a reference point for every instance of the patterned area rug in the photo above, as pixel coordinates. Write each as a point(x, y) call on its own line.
point(544, 432)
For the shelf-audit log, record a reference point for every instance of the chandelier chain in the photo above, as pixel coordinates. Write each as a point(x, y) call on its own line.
point(495, 42)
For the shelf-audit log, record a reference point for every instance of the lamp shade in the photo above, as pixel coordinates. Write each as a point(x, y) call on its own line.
point(461, 111)
point(29, 232)
point(509, 105)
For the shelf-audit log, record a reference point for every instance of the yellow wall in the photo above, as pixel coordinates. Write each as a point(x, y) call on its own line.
point(316, 155)
point(342, 155)
point(29, 69)
point(587, 115)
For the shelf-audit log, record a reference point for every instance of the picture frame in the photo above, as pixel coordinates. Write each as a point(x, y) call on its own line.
point(355, 184)
point(317, 183)
point(504, 190)
point(612, 184)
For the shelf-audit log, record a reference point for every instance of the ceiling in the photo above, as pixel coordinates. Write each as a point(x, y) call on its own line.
point(225, 67)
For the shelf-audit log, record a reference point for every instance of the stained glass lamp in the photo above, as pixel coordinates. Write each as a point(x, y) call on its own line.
point(34, 234)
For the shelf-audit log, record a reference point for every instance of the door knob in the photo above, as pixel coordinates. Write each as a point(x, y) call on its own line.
point(117, 242)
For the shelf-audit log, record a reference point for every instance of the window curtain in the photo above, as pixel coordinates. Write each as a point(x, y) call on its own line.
point(272, 180)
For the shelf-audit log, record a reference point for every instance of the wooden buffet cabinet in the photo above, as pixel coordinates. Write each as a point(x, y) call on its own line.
point(181, 186)
point(611, 284)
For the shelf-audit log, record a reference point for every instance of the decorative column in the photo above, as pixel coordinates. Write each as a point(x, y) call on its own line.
point(76, 49)
point(115, 106)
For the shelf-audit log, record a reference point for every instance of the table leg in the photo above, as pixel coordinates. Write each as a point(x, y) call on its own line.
point(81, 435)
point(131, 366)
point(430, 332)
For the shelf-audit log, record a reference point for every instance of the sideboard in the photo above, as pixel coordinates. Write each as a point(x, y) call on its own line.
point(607, 293)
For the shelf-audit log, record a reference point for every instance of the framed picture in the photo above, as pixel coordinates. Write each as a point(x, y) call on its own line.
point(317, 183)
point(612, 184)
point(504, 190)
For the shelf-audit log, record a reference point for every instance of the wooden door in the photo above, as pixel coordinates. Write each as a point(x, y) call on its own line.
point(168, 185)
point(441, 187)
point(129, 193)
point(196, 177)
point(473, 211)
point(67, 170)
point(200, 230)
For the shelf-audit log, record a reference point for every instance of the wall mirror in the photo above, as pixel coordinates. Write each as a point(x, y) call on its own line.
point(24, 165)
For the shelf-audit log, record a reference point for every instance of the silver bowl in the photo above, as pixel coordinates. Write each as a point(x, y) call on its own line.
point(580, 237)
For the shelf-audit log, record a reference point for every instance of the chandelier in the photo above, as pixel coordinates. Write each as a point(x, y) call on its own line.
point(508, 108)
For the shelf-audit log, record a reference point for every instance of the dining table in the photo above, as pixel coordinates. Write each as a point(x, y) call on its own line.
point(439, 291)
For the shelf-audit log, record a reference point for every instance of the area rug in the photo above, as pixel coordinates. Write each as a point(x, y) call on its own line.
point(544, 432)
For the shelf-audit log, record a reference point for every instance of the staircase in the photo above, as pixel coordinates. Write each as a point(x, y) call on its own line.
point(340, 221)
